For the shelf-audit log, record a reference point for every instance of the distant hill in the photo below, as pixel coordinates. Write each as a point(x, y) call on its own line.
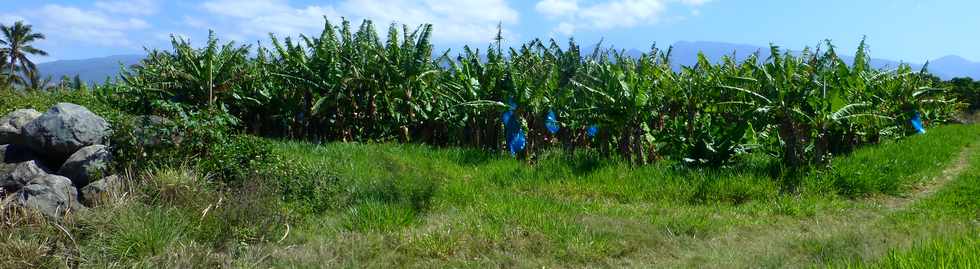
point(685, 53)
point(954, 66)
point(89, 70)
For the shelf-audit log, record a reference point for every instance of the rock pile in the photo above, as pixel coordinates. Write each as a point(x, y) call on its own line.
point(54, 162)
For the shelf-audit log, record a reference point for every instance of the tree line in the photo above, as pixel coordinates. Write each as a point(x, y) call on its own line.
point(350, 84)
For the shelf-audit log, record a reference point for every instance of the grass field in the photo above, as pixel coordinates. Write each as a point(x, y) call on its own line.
point(908, 203)
point(415, 206)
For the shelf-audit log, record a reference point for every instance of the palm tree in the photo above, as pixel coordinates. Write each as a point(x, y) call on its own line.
point(4, 77)
point(34, 82)
point(16, 46)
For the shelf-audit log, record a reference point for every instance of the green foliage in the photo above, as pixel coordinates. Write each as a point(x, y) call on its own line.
point(141, 142)
point(966, 90)
point(349, 85)
point(236, 158)
point(194, 79)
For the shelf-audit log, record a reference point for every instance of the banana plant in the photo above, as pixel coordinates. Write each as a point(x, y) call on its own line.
point(781, 94)
point(621, 94)
point(350, 84)
point(197, 78)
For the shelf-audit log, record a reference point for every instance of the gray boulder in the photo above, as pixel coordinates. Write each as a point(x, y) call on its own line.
point(15, 154)
point(52, 195)
point(97, 193)
point(11, 123)
point(20, 174)
point(63, 130)
point(91, 162)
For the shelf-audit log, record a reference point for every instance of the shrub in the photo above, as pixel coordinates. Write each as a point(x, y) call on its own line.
point(206, 140)
point(235, 158)
point(42, 101)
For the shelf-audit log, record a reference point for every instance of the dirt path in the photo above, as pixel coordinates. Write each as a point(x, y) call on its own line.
point(830, 236)
point(926, 189)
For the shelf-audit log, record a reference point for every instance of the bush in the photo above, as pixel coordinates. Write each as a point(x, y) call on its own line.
point(306, 187)
point(235, 158)
point(138, 142)
point(206, 140)
point(42, 101)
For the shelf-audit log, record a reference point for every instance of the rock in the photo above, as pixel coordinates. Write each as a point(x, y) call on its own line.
point(11, 123)
point(97, 193)
point(63, 130)
point(5, 170)
point(50, 194)
point(90, 162)
point(20, 175)
point(16, 154)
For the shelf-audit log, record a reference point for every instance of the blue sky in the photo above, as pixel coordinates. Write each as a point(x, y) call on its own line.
point(907, 30)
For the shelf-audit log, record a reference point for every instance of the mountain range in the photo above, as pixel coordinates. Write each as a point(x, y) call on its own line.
point(948, 67)
point(90, 70)
point(684, 54)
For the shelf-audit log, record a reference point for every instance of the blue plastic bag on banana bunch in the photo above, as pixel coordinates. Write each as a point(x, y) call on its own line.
point(917, 123)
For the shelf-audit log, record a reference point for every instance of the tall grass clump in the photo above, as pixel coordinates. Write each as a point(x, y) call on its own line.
point(171, 217)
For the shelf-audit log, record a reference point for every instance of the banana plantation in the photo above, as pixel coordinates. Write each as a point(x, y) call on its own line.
point(352, 84)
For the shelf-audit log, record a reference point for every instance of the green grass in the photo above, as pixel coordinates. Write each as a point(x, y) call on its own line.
point(892, 167)
point(954, 252)
point(420, 206)
point(403, 205)
point(945, 228)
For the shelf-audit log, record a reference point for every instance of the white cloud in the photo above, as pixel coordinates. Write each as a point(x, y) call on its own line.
point(557, 8)
point(246, 8)
point(129, 7)
point(565, 28)
point(195, 22)
point(257, 18)
point(622, 13)
point(604, 15)
point(10, 19)
point(695, 2)
point(456, 21)
point(64, 23)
